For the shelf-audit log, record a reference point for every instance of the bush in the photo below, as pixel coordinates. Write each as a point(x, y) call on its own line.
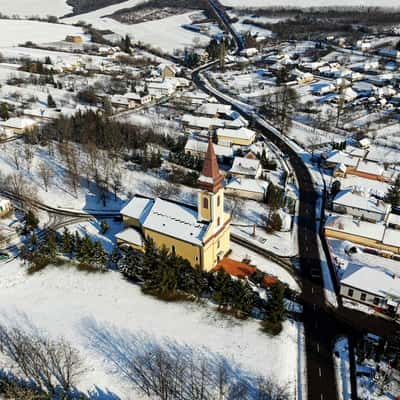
point(272, 328)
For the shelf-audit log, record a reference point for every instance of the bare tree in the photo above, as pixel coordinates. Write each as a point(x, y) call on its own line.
point(16, 158)
point(46, 174)
point(52, 365)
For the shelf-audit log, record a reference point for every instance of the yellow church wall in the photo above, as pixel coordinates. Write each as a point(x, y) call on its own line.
point(205, 213)
point(220, 244)
point(184, 249)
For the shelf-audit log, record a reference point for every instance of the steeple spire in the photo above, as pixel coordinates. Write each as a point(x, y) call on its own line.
point(210, 178)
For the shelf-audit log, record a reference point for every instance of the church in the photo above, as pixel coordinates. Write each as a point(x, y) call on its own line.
point(199, 234)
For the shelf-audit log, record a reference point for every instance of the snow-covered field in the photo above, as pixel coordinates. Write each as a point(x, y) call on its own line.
point(96, 312)
point(14, 32)
point(166, 33)
point(309, 3)
point(35, 7)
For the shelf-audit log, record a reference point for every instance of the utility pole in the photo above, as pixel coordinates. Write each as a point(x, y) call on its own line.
point(222, 54)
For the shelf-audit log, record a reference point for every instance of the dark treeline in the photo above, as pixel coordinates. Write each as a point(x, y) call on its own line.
point(84, 6)
point(124, 15)
point(91, 128)
point(301, 23)
point(170, 277)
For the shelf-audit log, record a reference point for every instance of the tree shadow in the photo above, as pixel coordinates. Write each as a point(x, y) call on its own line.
point(124, 350)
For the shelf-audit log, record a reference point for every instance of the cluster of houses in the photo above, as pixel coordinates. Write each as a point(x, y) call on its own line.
point(231, 136)
point(363, 219)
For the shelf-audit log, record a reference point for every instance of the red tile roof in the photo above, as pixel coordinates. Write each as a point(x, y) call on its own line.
point(235, 268)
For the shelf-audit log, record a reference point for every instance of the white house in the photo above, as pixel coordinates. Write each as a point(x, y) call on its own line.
point(246, 168)
point(375, 287)
point(361, 206)
point(254, 189)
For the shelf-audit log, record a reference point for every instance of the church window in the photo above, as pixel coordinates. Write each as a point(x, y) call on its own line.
point(218, 201)
point(205, 202)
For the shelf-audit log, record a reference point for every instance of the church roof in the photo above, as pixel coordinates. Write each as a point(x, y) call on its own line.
point(211, 177)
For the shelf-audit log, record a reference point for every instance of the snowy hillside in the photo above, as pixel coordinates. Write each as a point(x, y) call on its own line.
point(20, 31)
point(35, 7)
point(96, 312)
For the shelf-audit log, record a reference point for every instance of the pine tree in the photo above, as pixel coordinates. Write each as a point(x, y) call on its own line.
point(31, 220)
point(275, 310)
point(104, 227)
point(4, 114)
point(99, 257)
point(67, 242)
point(393, 194)
point(50, 102)
point(222, 288)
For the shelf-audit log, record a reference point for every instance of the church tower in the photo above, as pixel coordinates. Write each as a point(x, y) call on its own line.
point(211, 198)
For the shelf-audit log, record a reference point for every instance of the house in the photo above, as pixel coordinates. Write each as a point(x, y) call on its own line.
point(195, 97)
point(367, 208)
point(238, 137)
point(198, 148)
point(18, 125)
point(376, 287)
point(119, 101)
point(40, 114)
point(393, 221)
point(199, 234)
point(137, 98)
point(214, 110)
point(389, 53)
point(161, 88)
point(246, 168)
point(203, 123)
point(5, 207)
point(74, 39)
point(167, 70)
point(254, 189)
point(367, 234)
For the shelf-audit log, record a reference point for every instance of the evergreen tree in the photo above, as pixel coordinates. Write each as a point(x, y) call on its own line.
point(393, 194)
point(50, 102)
point(4, 114)
point(104, 227)
point(275, 310)
point(67, 242)
point(222, 289)
point(99, 257)
point(31, 220)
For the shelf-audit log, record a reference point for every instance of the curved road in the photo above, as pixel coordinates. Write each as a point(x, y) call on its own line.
point(322, 324)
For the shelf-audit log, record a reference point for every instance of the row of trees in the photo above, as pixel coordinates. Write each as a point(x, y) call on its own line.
point(170, 277)
point(90, 254)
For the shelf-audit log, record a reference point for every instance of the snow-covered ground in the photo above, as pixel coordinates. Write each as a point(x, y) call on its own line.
point(309, 3)
point(14, 32)
point(29, 8)
point(166, 34)
point(239, 253)
point(95, 312)
point(342, 368)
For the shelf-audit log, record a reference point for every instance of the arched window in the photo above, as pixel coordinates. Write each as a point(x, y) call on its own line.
point(173, 249)
point(218, 201)
point(205, 203)
point(219, 221)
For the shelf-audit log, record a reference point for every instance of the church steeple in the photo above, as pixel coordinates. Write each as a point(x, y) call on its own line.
point(211, 178)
